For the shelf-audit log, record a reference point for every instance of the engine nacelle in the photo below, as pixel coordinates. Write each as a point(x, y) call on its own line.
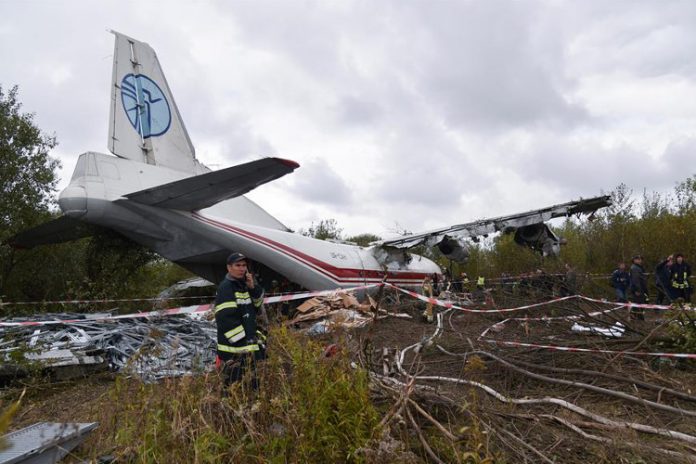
point(454, 249)
point(539, 238)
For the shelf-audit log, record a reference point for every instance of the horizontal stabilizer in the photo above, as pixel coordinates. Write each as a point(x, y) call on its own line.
point(205, 190)
point(63, 229)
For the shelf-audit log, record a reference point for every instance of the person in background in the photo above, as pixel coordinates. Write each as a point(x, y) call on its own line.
point(428, 291)
point(570, 281)
point(435, 283)
point(681, 271)
point(663, 274)
point(638, 286)
point(620, 280)
point(466, 285)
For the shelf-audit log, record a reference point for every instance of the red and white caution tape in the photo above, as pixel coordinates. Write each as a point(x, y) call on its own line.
point(590, 350)
point(87, 319)
point(450, 305)
point(633, 305)
point(299, 296)
point(181, 310)
point(498, 326)
point(105, 300)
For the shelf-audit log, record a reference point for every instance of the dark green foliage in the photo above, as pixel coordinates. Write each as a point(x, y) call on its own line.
point(326, 229)
point(27, 176)
point(105, 266)
point(363, 240)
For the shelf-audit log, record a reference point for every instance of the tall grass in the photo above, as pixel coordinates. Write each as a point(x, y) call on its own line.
point(307, 409)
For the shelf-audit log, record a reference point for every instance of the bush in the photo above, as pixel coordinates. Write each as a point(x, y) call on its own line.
point(307, 409)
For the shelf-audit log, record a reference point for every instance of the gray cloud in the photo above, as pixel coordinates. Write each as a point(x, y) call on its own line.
point(422, 113)
point(317, 182)
point(356, 111)
point(589, 168)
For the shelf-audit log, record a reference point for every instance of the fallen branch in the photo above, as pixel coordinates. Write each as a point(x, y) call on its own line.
point(650, 386)
point(524, 443)
point(590, 436)
point(570, 406)
point(423, 441)
point(586, 386)
point(433, 421)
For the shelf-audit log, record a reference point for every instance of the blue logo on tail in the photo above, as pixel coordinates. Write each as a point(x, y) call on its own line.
point(145, 105)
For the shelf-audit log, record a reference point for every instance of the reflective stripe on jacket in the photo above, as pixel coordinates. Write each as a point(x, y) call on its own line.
point(235, 316)
point(680, 274)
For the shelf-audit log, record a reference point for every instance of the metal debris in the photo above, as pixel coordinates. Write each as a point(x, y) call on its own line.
point(617, 330)
point(43, 443)
point(149, 348)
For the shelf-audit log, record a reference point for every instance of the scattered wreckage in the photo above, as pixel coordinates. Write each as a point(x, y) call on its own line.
point(43, 443)
point(151, 345)
point(148, 347)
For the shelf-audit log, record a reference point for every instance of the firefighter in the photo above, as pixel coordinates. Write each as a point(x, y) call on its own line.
point(680, 273)
point(239, 343)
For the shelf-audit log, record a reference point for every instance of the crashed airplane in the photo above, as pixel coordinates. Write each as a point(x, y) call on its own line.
point(156, 193)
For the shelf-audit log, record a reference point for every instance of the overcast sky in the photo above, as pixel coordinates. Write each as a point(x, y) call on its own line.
point(416, 113)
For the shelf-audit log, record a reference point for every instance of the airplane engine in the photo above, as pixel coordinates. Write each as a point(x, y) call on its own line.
point(454, 249)
point(539, 238)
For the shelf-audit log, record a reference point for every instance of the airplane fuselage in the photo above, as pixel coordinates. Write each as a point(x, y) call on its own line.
point(200, 240)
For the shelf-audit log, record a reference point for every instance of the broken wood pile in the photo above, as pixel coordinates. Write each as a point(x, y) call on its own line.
point(339, 310)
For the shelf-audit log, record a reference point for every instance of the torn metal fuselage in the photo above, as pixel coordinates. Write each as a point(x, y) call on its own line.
point(530, 230)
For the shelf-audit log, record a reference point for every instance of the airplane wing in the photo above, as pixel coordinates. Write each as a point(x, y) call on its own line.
point(63, 229)
point(204, 190)
point(531, 224)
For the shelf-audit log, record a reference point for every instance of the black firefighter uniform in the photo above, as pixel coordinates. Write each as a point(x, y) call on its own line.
point(238, 339)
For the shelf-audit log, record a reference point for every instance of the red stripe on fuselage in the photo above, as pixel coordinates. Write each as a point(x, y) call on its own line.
point(338, 274)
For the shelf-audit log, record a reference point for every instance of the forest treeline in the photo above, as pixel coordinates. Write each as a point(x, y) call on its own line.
point(651, 224)
point(103, 266)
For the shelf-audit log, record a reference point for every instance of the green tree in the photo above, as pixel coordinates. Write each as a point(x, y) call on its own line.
point(28, 175)
point(326, 229)
point(104, 266)
point(364, 240)
point(27, 178)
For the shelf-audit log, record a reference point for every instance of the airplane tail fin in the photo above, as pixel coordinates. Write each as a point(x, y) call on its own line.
point(145, 124)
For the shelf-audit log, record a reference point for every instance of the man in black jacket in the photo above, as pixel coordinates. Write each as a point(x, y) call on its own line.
point(638, 286)
point(239, 343)
point(663, 273)
point(681, 271)
point(620, 280)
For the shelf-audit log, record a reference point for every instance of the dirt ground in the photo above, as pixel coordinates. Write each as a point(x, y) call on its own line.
point(532, 405)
